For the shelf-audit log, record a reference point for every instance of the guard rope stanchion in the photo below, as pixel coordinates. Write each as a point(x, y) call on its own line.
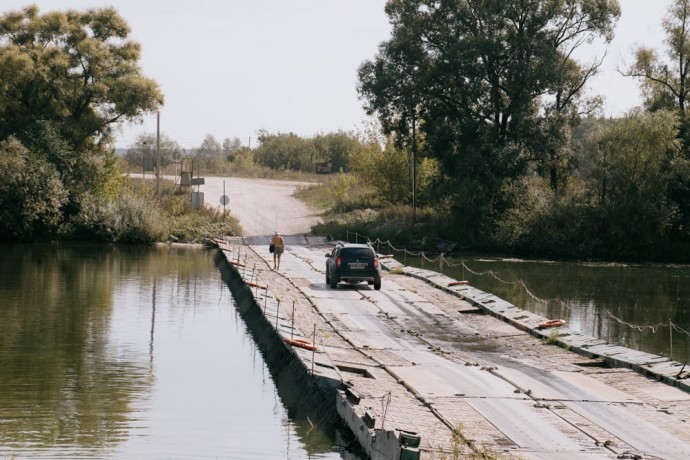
point(654, 328)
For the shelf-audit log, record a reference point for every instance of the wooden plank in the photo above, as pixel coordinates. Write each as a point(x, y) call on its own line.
point(668, 368)
point(608, 350)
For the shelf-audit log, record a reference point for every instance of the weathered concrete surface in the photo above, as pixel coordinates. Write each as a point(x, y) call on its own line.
point(418, 359)
point(657, 367)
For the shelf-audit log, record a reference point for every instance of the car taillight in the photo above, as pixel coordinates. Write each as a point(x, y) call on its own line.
point(376, 262)
point(337, 262)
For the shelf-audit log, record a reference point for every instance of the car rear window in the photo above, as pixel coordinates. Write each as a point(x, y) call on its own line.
point(357, 253)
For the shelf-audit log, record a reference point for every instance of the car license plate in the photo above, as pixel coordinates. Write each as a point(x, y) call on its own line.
point(357, 266)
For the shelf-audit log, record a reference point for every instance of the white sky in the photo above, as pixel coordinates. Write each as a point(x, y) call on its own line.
point(232, 67)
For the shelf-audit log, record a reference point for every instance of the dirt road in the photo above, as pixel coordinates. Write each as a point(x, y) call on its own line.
point(263, 206)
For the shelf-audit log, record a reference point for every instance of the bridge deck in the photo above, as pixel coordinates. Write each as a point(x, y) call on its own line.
point(417, 360)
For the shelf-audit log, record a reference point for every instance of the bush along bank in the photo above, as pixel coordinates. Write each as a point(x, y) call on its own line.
point(433, 231)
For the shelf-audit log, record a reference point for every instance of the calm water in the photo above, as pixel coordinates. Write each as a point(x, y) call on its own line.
point(627, 304)
point(135, 353)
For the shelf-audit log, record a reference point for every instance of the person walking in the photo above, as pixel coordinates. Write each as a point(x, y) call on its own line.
point(278, 248)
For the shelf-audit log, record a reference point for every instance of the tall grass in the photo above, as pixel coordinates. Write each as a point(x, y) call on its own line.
point(137, 216)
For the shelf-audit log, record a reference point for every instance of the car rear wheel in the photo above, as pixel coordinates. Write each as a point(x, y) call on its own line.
point(333, 283)
point(377, 286)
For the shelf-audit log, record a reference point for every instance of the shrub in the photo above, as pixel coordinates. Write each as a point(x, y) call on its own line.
point(196, 226)
point(127, 219)
point(31, 194)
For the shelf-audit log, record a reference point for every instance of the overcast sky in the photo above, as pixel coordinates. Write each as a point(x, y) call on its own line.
point(232, 67)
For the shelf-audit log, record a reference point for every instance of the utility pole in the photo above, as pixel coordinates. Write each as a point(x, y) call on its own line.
point(414, 165)
point(158, 155)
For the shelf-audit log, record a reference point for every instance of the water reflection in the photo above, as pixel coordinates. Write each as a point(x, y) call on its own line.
point(55, 351)
point(627, 304)
point(124, 352)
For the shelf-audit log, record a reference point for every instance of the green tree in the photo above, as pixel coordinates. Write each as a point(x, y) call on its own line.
point(67, 79)
point(388, 170)
point(665, 83)
point(562, 111)
point(31, 194)
point(243, 160)
point(335, 148)
point(392, 84)
point(230, 146)
point(290, 151)
point(75, 69)
point(209, 151)
point(475, 77)
point(637, 160)
point(147, 146)
point(286, 151)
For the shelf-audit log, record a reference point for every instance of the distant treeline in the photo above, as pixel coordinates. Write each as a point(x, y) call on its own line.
point(615, 195)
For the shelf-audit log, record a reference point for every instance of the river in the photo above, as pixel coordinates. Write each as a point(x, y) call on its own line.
point(126, 352)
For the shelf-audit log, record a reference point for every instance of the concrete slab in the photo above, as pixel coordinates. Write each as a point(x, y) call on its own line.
point(501, 329)
point(608, 350)
point(530, 429)
point(668, 368)
point(392, 358)
point(665, 393)
point(561, 386)
point(328, 296)
point(465, 381)
point(368, 340)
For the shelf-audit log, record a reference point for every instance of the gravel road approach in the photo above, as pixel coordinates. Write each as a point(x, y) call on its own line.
point(262, 206)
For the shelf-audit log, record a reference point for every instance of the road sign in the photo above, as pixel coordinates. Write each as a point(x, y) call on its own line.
point(224, 200)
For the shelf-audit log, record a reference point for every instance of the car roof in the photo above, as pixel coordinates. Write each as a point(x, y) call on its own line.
point(353, 245)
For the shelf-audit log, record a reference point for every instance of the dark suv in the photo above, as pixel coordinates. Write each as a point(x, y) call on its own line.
point(353, 263)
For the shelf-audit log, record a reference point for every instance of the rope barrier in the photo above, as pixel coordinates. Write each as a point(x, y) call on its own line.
point(680, 329)
point(429, 260)
point(641, 328)
point(650, 327)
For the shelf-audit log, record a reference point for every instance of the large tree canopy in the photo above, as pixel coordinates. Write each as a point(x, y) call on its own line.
point(67, 79)
point(76, 70)
point(479, 77)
